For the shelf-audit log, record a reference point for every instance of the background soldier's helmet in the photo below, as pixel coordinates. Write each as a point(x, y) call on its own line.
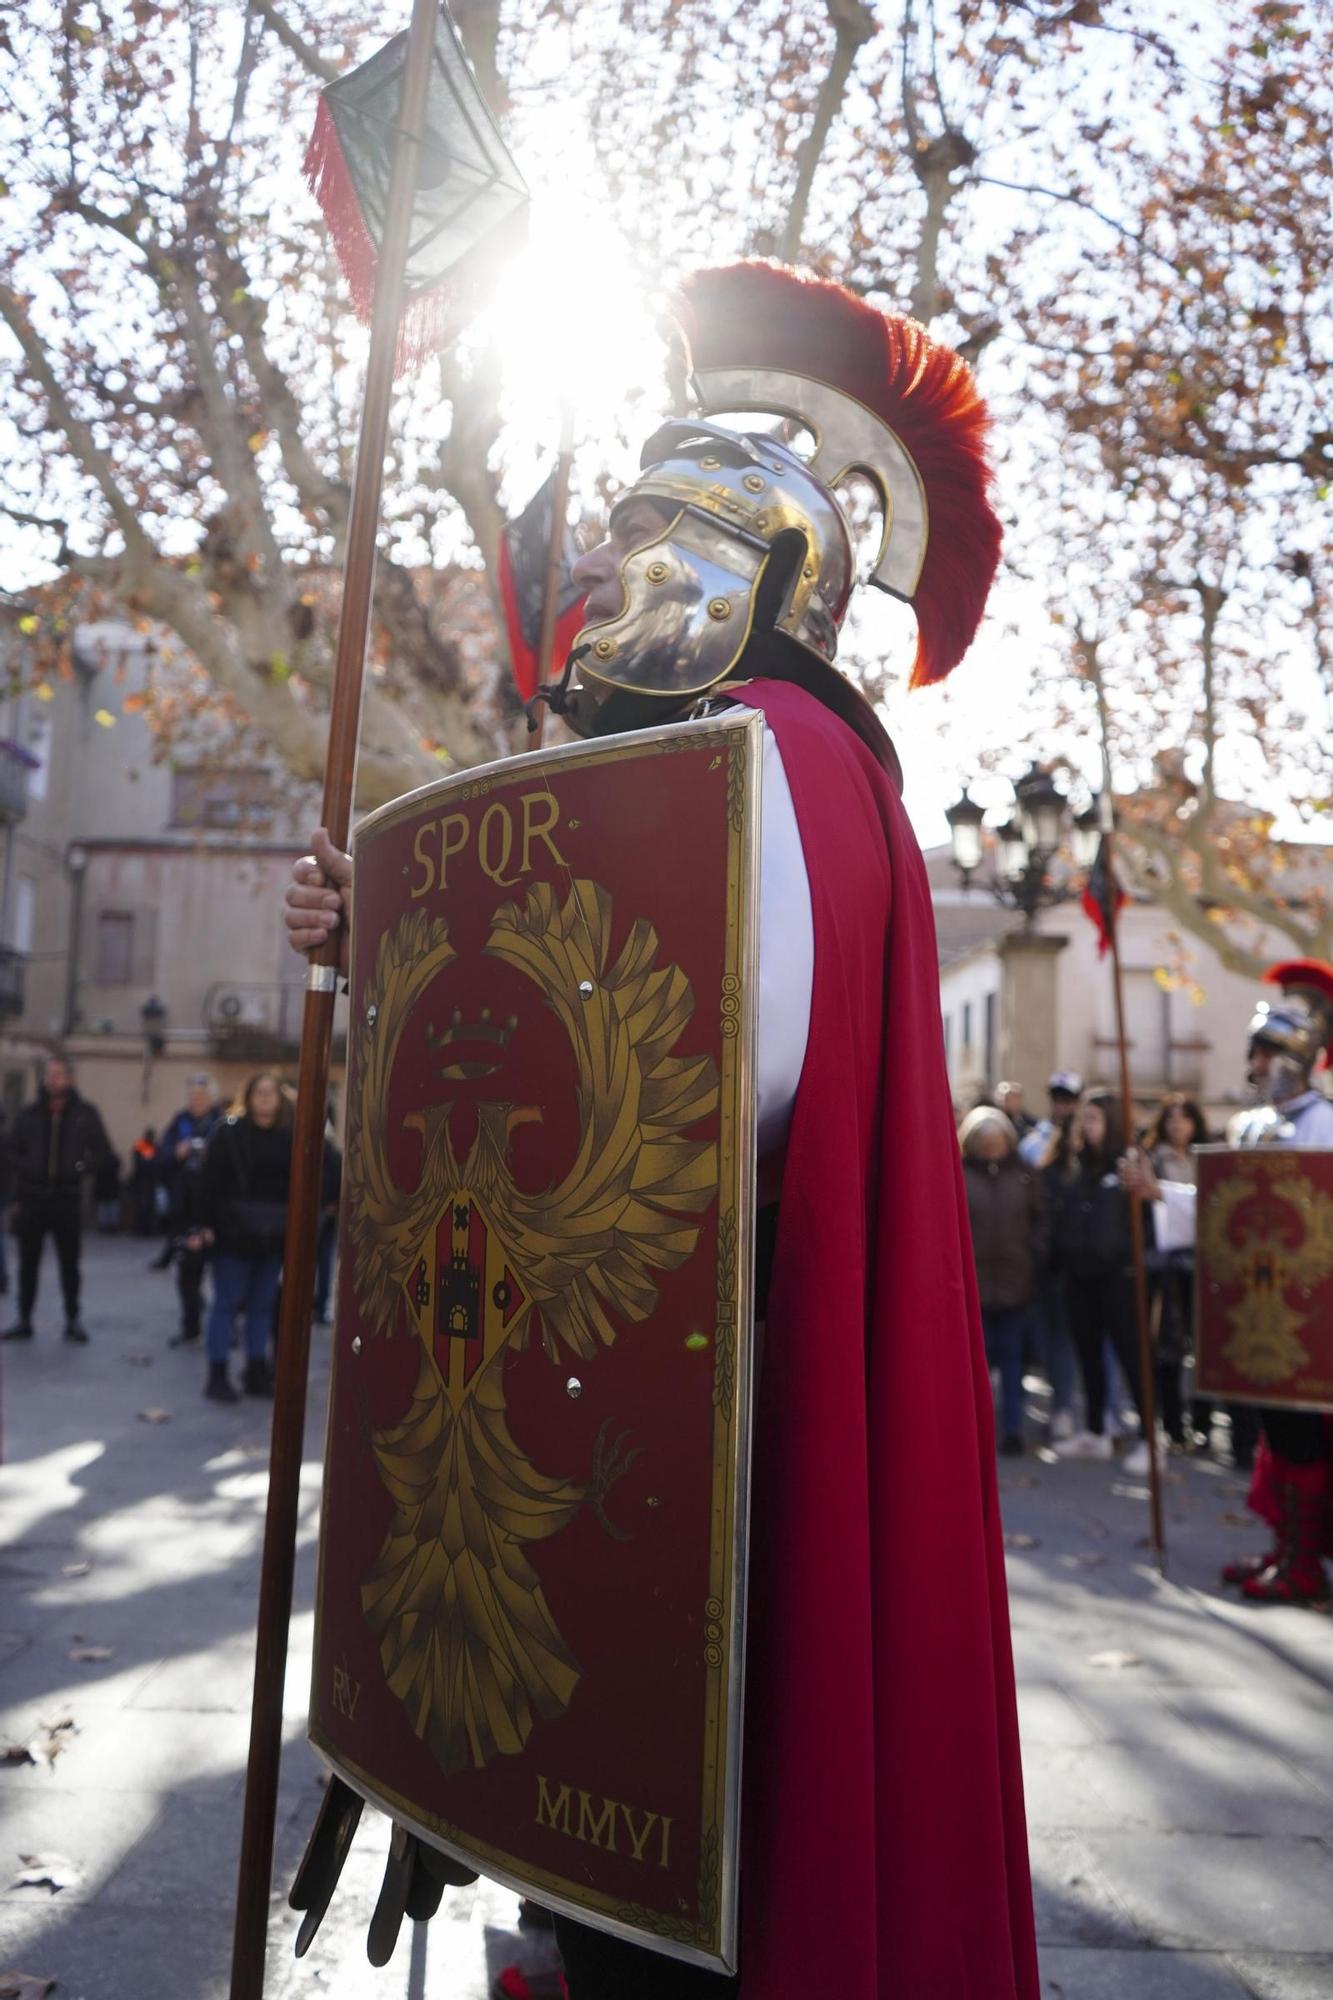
point(1298, 1025)
point(757, 537)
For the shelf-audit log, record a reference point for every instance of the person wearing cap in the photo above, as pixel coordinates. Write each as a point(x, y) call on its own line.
point(1062, 1095)
point(1292, 1486)
point(180, 1156)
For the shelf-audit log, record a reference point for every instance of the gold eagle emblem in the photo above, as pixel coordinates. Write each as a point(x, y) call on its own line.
point(1270, 1232)
point(467, 1640)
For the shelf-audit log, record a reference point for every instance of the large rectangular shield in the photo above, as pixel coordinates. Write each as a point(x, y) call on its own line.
point(531, 1595)
point(1264, 1278)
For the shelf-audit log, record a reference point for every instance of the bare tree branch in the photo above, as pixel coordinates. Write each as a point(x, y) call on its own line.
point(1073, 199)
point(934, 162)
point(478, 24)
point(245, 315)
point(282, 30)
point(853, 26)
point(1155, 869)
point(95, 463)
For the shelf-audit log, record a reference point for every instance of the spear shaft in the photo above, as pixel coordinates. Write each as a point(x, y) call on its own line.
point(250, 1936)
point(555, 552)
point(1147, 1366)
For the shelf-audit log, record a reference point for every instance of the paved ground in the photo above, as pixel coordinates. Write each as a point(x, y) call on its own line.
point(1178, 1748)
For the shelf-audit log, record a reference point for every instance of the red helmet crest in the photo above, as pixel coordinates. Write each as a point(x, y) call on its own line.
point(763, 315)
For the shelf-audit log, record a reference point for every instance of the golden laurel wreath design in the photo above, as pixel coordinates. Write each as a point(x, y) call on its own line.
point(1265, 1346)
point(467, 1641)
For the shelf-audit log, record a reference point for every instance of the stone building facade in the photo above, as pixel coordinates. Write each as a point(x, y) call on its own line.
point(140, 894)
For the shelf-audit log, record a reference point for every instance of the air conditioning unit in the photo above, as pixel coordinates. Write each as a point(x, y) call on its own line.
point(234, 1007)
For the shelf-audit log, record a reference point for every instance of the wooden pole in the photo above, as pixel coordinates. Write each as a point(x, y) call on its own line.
point(551, 597)
point(250, 1937)
point(1147, 1368)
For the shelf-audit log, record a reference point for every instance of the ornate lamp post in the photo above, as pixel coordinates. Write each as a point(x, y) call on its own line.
point(1026, 845)
point(153, 1016)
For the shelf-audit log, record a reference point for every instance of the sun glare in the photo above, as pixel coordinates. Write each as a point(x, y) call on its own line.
point(575, 329)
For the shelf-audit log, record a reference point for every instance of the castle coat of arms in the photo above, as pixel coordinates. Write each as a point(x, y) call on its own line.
point(538, 1441)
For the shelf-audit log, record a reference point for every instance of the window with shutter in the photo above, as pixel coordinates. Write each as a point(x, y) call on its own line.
point(113, 948)
point(144, 972)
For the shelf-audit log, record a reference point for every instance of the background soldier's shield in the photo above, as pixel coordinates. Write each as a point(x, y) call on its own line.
point(531, 1589)
point(1264, 1276)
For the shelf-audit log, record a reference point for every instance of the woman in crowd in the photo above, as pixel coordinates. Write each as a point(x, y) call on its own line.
point(1091, 1229)
point(243, 1189)
point(1009, 1242)
point(1178, 1126)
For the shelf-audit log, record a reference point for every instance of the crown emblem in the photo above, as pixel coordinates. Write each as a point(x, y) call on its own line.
point(485, 1031)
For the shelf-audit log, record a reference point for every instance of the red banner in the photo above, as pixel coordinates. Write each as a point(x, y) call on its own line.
point(1264, 1280)
point(528, 1633)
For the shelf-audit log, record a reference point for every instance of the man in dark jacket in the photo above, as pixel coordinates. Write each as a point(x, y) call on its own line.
point(180, 1155)
point(57, 1142)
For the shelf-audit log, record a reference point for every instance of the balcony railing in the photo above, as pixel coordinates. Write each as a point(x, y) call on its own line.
point(13, 967)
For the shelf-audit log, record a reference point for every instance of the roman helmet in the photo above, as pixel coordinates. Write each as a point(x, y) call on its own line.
point(1297, 1026)
point(755, 535)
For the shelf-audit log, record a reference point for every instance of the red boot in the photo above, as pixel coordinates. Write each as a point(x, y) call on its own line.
point(1296, 1576)
point(1245, 1567)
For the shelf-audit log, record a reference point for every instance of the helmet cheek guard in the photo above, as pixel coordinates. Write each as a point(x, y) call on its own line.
point(689, 601)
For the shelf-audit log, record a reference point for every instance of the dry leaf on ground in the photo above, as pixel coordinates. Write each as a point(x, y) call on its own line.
point(1022, 1541)
point(1114, 1660)
point(25, 1986)
point(54, 1733)
point(155, 1416)
point(47, 1871)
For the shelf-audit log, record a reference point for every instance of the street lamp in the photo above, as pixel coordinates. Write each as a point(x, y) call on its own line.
point(1026, 845)
point(1041, 810)
point(1015, 855)
point(153, 1017)
point(965, 834)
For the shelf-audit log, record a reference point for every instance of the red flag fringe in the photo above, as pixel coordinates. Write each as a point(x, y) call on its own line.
point(523, 657)
point(429, 317)
point(325, 168)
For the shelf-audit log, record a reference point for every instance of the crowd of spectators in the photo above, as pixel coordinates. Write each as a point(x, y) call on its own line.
point(214, 1184)
point(1051, 1236)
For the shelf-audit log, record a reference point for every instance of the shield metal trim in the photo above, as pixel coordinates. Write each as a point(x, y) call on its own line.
point(704, 1933)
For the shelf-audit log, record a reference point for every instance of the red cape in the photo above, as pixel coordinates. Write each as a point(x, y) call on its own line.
point(884, 1846)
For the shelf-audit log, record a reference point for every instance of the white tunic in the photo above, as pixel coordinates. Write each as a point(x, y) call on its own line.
point(1311, 1118)
point(786, 953)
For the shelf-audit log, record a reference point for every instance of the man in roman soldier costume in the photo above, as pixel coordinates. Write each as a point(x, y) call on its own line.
point(883, 1846)
point(1292, 1484)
